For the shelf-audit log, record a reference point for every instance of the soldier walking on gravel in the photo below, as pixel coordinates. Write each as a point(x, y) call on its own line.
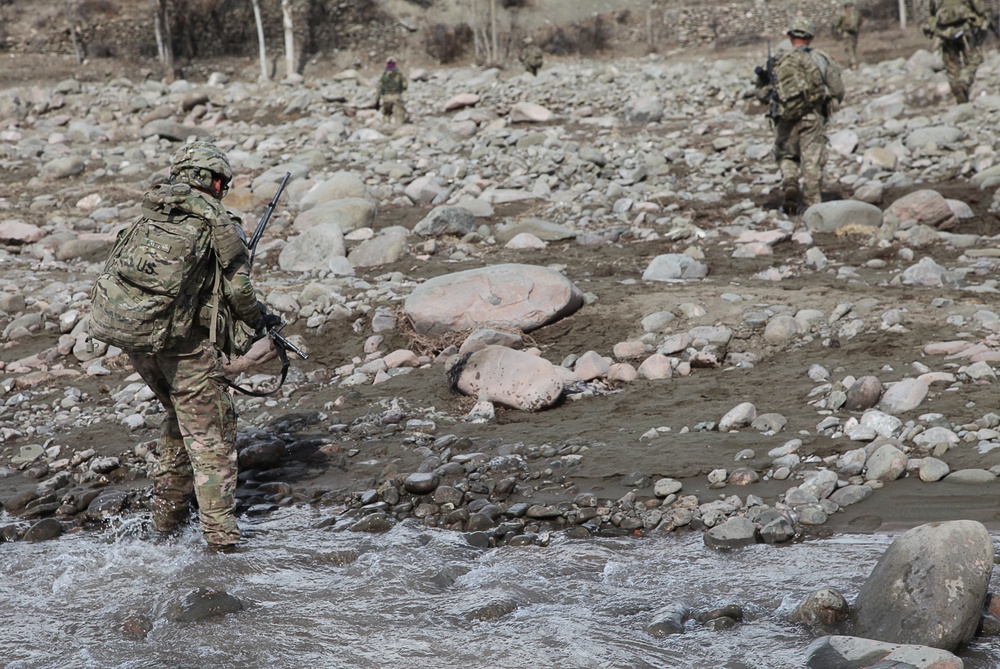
point(959, 26)
point(848, 25)
point(391, 86)
point(801, 87)
point(531, 56)
point(175, 294)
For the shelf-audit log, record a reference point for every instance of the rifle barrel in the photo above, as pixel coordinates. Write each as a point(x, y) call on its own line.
point(262, 224)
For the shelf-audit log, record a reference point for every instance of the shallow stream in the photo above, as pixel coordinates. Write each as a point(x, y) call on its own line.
point(415, 598)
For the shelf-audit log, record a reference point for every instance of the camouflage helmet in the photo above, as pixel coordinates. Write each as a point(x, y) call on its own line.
point(198, 163)
point(848, 3)
point(801, 28)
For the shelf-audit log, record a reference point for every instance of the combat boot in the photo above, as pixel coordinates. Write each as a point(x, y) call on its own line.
point(790, 201)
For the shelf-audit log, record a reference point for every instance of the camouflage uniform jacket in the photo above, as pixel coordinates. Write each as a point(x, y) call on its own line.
point(181, 264)
point(531, 56)
point(849, 22)
point(392, 82)
point(950, 19)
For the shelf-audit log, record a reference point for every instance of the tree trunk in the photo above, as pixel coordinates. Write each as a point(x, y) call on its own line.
point(163, 40)
point(493, 32)
point(74, 30)
point(286, 22)
point(902, 14)
point(260, 40)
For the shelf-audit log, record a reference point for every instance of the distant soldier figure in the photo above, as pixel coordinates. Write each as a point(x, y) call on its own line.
point(959, 25)
point(801, 87)
point(531, 56)
point(848, 25)
point(391, 85)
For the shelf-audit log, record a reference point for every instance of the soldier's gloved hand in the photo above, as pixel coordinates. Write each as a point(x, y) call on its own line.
point(928, 31)
point(268, 321)
point(761, 75)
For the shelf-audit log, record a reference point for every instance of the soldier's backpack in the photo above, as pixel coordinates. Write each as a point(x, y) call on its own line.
point(798, 84)
point(952, 14)
point(392, 82)
point(146, 299)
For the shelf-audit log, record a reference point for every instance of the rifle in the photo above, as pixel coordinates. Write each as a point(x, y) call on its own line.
point(280, 341)
point(265, 219)
point(766, 75)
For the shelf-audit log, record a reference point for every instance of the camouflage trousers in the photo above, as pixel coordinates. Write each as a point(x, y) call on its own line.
point(800, 147)
point(851, 40)
point(196, 451)
point(962, 57)
point(393, 108)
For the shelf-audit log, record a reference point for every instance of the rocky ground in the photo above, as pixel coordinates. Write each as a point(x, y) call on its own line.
point(826, 372)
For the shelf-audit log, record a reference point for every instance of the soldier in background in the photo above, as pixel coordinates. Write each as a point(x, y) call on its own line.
point(959, 26)
point(801, 87)
point(391, 86)
point(848, 25)
point(531, 56)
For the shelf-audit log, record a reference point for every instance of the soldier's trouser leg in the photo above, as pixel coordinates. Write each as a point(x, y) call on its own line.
point(852, 49)
point(387, 107)
point(972, 58)
point(207, 423)
point(951, 54)
point(786, 153)
point(399, 113)
point(812, 144)
point(173, 482)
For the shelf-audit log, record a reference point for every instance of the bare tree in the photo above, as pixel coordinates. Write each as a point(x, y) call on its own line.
point(73, 24)
point(164, 44)
point(260, 40)
point(286, 23)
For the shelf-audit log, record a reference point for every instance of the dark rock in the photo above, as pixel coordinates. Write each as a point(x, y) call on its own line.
point(733, 611)
point(137, 626)
point(44, 530)
point(421, 483)
point(204, 603)
point(262, 455)
point(106, 504)
point(40, 511)
point(447, 495)
point(929, 586)
point(541, 512)
point(734, 533)
point(19, 502)
point(375, 522)
point(668, 620)
point(479, 522)
point(863, 394)
point(478, 539)
point(777, 531)
point(825, 607)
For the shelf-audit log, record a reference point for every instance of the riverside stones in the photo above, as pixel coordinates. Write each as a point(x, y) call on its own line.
point(840, 652)
point(510, 295)
point(929, 586)
point(513, 378)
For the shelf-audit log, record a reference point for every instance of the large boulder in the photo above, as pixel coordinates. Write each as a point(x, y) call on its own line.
point(313, 249)
point(924, 207)
point(341, 185)
point(512, 378)
point(848, 652)
point(510, 295)
point(838, 214)
point(349, 213)
point(929, 586)
point(446, 220)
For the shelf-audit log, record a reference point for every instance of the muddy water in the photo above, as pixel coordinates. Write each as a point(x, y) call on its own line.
point(414, 598)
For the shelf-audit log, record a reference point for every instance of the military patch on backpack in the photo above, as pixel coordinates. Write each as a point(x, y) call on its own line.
point(144, 299)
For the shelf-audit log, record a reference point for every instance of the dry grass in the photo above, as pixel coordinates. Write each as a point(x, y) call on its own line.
point(856, 230)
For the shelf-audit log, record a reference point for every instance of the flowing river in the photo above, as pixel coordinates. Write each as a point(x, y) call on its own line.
point(413, 598)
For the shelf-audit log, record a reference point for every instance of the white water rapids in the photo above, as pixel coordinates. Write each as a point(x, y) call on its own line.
point(408, 599)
